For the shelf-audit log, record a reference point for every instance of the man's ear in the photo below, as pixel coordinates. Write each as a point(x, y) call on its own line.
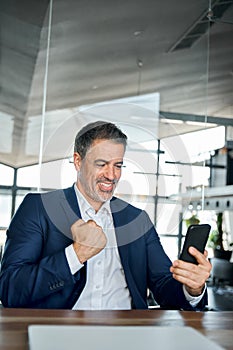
point(77, 161)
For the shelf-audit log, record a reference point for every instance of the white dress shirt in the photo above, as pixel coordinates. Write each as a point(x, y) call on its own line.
point(106, 287)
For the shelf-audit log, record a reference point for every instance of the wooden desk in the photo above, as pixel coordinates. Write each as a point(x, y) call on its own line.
point(217, 326)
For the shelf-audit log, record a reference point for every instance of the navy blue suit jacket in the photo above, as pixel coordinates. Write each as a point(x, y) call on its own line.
point(35, 272)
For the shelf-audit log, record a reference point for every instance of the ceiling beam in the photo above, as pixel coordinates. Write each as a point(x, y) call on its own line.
point(197, 118)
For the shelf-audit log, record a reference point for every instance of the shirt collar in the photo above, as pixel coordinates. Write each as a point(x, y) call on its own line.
point(86, 206)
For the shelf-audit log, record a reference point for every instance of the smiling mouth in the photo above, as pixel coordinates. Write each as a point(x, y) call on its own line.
point(106, 186)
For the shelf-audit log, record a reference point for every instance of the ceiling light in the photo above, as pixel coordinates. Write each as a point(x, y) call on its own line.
point(199, 123)
point(144, 118)
point(137, 32)
point(171, 121)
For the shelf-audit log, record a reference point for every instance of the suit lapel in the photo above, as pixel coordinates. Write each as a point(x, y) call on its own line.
point(71, 204)
point(119, 221)
point(69, 209)
point(124, 233)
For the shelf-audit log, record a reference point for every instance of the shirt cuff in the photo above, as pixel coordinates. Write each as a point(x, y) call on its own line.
point(192, 299)
point(72, 259)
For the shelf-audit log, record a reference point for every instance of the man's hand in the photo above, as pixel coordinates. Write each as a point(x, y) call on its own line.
point(192, 276)
point(89, 239)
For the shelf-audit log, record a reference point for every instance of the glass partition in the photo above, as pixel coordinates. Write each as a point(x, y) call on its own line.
point(122, 61)
point(156, 71)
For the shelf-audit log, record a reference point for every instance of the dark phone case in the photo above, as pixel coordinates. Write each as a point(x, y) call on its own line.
point(196, 236)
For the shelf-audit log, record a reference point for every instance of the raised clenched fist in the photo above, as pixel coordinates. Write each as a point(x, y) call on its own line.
point(89, 239)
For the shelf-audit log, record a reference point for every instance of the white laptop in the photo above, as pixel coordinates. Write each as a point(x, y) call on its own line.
point(71, 337)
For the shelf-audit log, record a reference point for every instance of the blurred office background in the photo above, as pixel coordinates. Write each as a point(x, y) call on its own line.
point(161, 70)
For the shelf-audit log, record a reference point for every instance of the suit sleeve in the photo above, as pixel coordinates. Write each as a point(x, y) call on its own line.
point(34, 271)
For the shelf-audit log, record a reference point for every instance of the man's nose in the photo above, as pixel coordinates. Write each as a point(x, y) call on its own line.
point(110, 172)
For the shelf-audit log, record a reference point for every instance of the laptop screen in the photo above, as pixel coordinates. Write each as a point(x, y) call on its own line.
point(72, 337)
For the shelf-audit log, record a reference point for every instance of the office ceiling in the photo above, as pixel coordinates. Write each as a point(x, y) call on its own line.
point(101, 50)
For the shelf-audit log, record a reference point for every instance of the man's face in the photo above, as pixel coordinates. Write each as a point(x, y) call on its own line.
point(99, 171)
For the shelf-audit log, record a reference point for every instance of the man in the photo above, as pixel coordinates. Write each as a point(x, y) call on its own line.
point(82, 248)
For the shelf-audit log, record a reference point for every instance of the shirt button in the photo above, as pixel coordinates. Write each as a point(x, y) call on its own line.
point(99, 262)
point(97, 286)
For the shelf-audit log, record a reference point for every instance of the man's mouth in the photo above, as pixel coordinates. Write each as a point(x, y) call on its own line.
point(106, 186)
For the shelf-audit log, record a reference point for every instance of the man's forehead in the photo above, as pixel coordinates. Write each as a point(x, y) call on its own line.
point(108, 147)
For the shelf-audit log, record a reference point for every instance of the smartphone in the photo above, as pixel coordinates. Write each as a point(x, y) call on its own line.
point(196, 236)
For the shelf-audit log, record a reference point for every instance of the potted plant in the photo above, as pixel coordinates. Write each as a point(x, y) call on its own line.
point(221, 247)
point(193, 220)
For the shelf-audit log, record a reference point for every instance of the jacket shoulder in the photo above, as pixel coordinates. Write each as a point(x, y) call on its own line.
point(120, 204)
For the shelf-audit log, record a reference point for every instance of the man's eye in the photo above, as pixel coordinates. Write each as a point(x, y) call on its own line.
point(119, 166)
point(100, 165)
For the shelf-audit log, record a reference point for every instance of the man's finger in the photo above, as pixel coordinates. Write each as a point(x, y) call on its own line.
point(92, 223)
point(79, 222)
point(200, 257)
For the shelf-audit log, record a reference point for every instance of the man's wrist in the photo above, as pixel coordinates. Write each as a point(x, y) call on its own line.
point(193, 300)
point(72, 259)
point(195, 292)
point(81, 257)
